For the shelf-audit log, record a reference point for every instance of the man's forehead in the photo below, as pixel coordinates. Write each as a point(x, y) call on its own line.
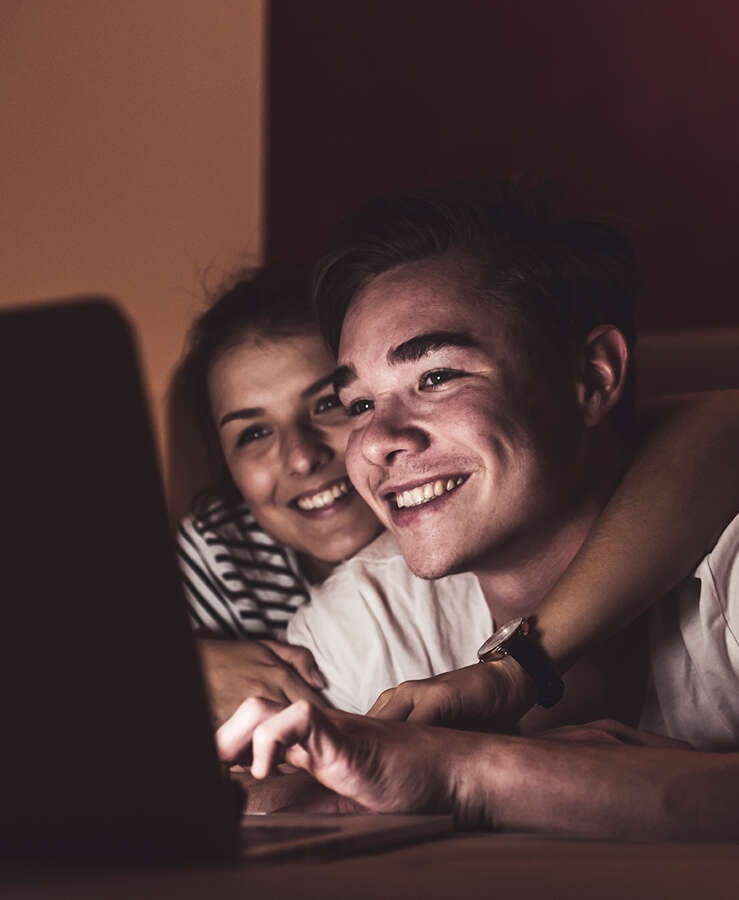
point(412, 299)
point(450, 272)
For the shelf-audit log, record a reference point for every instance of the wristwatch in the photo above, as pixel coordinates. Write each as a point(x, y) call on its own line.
point(514, 639)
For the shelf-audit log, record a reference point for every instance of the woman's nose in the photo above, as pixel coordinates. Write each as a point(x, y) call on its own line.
point(306, 451)
point(390, 433)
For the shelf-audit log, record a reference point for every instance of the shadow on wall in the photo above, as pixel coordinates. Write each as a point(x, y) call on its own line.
point(631, 106)
point(190, 466)
point(677, 362)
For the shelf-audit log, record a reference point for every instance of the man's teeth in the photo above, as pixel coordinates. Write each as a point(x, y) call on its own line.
point(325, 498)
point(417, 496)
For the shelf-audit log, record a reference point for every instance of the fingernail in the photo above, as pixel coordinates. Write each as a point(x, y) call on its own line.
point(318, 680)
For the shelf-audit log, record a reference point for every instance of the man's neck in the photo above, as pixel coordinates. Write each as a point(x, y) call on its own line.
point(518, 587)
point(516, 580)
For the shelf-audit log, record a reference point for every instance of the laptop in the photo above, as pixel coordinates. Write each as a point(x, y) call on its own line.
point(107, 744)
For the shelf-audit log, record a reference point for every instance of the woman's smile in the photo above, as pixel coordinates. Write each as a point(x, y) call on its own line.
point(325, 497)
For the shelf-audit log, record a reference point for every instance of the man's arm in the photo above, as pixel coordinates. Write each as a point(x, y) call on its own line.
point(595, 787)
point(680, 491)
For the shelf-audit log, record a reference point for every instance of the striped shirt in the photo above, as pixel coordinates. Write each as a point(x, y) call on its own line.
point(239, 582)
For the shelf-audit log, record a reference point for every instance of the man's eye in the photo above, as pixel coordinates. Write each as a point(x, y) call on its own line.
point(251, 434)
point(357, 407)
point(437, 377)
point(326, 404)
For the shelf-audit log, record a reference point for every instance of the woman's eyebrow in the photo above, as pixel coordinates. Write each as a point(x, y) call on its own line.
point(417, 347)
point(249, 412)
point(254, 412)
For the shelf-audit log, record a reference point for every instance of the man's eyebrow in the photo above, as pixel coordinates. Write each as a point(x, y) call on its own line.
point(343, 377)
point(318, 385)
point(410, 351)
point(417, 347)
point(249, 412)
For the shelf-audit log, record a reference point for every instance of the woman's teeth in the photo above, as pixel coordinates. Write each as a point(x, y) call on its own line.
point(322, 499)
point(417, 496)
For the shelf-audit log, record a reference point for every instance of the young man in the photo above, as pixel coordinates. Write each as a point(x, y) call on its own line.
point(484, 356)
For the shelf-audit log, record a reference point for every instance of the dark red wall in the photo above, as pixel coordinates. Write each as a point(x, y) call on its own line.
point(632, 104)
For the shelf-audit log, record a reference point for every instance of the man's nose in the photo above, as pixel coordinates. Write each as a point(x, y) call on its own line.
point(390, 433)
point(305, 450)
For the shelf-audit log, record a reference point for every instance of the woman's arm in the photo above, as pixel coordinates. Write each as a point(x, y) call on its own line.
point(234, 619)
point(234, 670)
point(680, 491)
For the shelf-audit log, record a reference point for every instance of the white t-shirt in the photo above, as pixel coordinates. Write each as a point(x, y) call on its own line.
point(693, 690)
point(373, 624)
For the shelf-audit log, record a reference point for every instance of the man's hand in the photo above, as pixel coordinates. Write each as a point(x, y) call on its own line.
point(380, 766)
point(599, 780)
point(235, 670)
point(487, 696)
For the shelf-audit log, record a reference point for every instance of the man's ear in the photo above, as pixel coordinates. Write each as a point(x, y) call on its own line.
point(604, 363)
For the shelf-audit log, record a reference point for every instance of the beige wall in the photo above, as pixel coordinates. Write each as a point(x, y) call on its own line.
point(131, 135)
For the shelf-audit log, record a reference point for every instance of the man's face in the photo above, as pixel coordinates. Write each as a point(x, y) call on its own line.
point(463, 444)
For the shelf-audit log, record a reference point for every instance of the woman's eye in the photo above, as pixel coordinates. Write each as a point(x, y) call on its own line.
point(326, 404)
point(437, 377)
point(251, 434)
point(357, 407)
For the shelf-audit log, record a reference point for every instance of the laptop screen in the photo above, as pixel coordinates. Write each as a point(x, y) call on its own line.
point(107, 742)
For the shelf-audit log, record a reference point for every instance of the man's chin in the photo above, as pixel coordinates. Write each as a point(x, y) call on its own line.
point(428, 564)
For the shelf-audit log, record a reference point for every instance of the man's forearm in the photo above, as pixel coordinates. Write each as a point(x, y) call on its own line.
point(565, 784)
point(596, 790)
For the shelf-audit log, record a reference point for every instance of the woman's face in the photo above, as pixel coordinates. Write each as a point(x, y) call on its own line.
point(283, 435)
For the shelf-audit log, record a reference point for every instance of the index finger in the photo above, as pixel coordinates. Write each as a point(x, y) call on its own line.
point(394, 704)
point(300, 659)
point(233, 738)
point(295, 688)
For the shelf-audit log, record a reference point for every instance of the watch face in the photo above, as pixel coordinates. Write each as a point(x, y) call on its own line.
point(500, 637)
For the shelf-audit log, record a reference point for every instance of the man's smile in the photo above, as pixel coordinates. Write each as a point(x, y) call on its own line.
point(421, 494)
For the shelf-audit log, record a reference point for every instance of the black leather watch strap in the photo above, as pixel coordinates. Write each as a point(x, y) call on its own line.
point(531, 658)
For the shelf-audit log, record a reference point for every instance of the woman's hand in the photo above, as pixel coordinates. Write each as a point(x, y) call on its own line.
point(279, 672)
point(487, 696)
point(500, 696)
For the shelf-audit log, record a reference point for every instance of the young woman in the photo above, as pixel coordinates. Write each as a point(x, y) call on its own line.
point(257, 378)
